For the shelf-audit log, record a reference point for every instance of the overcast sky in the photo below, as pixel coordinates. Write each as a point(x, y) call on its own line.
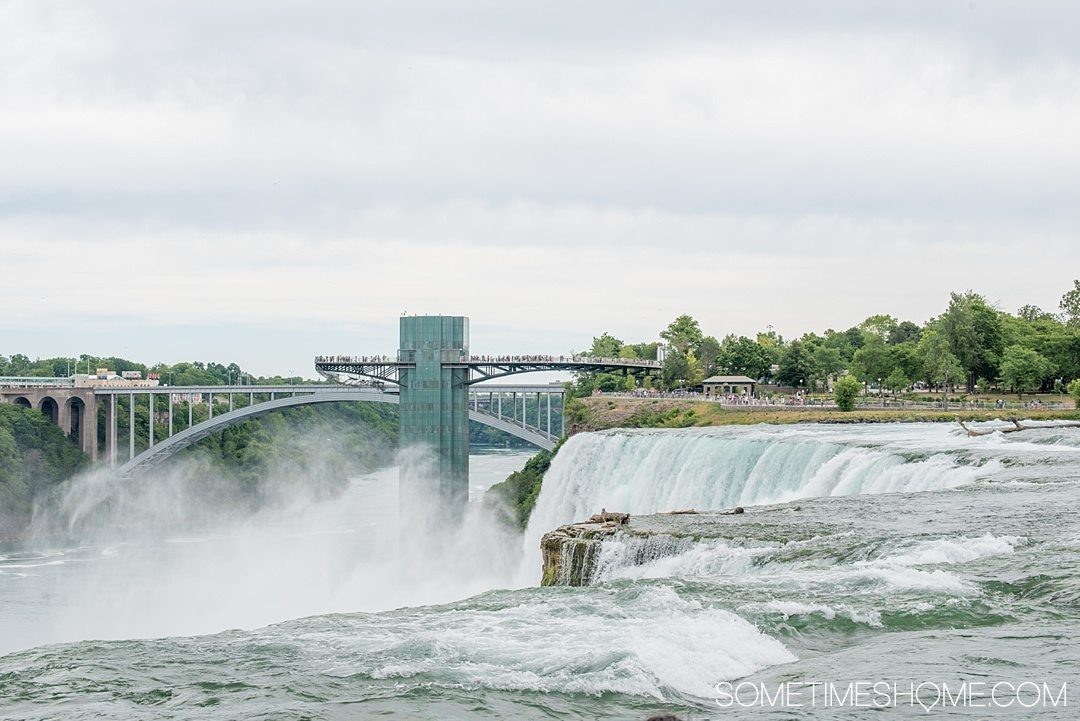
point(265, 181)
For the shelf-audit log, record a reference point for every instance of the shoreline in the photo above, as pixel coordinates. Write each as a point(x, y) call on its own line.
point(605, 412)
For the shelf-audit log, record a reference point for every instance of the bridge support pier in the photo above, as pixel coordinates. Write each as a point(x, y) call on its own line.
point(72, 409)
point(63, 417)
point(110, 433)
point(131, 426)
point(88, 428)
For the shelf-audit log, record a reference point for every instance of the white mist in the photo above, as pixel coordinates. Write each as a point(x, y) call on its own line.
point(168, 555)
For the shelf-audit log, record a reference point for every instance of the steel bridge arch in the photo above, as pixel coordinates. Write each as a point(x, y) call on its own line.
point(189, 436)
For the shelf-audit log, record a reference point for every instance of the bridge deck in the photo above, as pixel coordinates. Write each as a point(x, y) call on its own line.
point(481, 368)
point(322, 388)
point(222, 390)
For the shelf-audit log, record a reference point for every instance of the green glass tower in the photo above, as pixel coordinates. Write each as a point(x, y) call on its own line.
point(434, 410)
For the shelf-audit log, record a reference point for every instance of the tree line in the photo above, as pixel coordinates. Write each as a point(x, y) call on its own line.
point(193, 373)
point(972, 344)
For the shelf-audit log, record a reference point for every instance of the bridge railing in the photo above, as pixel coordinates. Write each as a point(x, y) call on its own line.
point(568, 359)
point(30, 382)
point(453, 356)
point(216, 390)
point(354, 359)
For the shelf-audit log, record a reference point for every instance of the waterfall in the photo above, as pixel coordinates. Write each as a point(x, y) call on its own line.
point(643, 471)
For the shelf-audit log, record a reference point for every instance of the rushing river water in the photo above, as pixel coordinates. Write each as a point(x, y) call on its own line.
point(898, 554)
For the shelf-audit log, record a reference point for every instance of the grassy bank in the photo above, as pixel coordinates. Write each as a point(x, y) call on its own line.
point(599, 413)
point(514, 499)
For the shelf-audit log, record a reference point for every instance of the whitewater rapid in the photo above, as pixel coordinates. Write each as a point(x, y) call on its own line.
point(653, 470)
point(643, 471)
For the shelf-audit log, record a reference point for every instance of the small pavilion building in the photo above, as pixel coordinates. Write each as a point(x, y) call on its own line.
point(718, 386)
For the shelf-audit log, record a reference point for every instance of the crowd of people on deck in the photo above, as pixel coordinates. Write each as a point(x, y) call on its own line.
point(729, 399)
point(560, 359)
point(501, 359)
point(799, 399)
point(352, 359)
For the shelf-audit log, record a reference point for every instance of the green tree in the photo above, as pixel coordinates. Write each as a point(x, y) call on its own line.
point(879, 326)
point(772, 344)
point(855, 337)
point(743, 356)
point(905, 356)
point(905, 332)
point(841, 343)
point(1023, 369)
point(1033, 313)
point(683, 334)
point(1074, 391)
point(1070, 305)
point(695, 374)
point(709, 355)
point(796, 365)
point(645, 351)
point(897, 380)
point(940, 365)
point(18, 365)
point(676, 371)
point(974, 332)
point(35, 456)
point(874, 359)
point(605, 346)
point(827, 362)
point(846, 391)
point(15, 497)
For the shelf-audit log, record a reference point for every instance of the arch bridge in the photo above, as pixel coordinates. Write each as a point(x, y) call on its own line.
point(533, 413)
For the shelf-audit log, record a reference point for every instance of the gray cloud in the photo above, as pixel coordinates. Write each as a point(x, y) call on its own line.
point(731, 160)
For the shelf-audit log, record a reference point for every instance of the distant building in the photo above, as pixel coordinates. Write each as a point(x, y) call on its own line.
point(728, 385)
point(104, 378)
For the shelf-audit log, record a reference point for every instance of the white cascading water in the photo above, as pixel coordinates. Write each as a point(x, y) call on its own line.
point(654, 470)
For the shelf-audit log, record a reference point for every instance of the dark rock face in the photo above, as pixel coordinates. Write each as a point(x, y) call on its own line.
point(570, 552)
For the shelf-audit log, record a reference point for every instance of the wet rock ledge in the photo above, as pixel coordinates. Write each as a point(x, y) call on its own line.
point(572, 553)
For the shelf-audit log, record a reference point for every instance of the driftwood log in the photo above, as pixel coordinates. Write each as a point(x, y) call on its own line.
point(1016, 426)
